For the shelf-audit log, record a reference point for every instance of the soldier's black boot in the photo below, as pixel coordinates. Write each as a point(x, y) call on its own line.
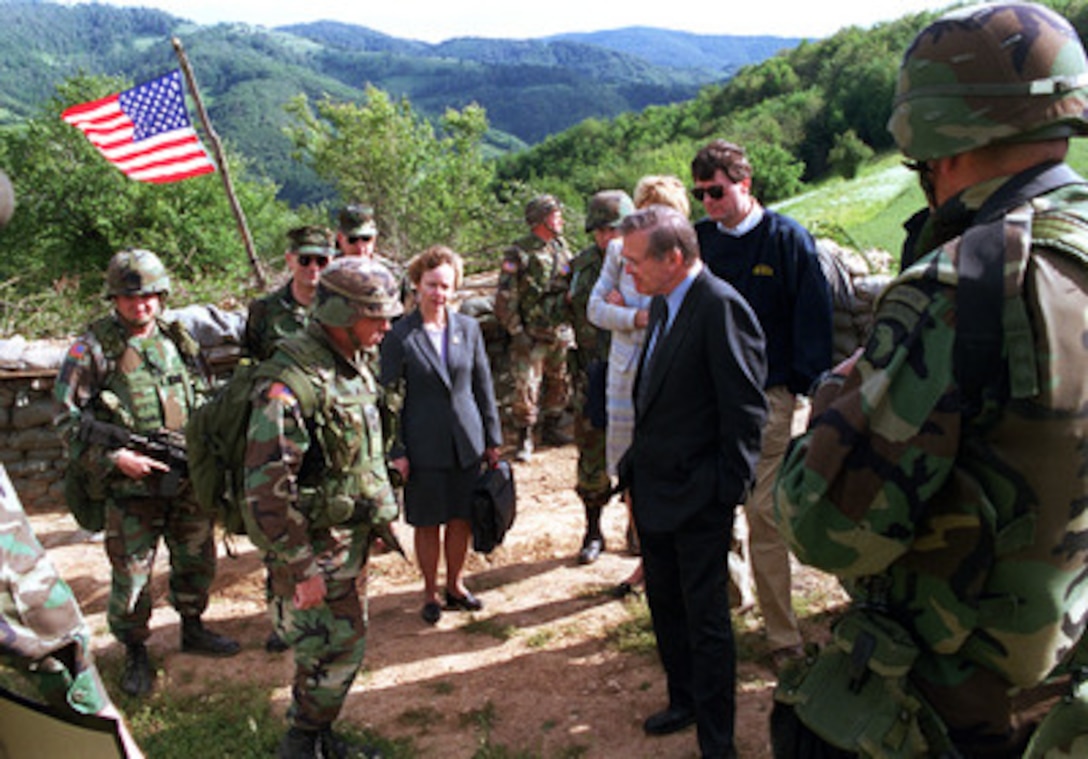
point(525, 444)
point(274, 644)
point(198, 639)
point(552, 433)
point(593, 542)
point(136, 678)
point(332, 746)
point(299, 744)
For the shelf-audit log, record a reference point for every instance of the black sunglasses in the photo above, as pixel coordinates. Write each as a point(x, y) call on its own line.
point(360, 238)
point(306, 259)
point(715, 191)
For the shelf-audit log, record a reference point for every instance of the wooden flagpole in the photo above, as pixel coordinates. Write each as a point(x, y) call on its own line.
point(217, 149)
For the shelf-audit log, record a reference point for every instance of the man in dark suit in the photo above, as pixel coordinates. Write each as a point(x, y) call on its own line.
point(699, 414)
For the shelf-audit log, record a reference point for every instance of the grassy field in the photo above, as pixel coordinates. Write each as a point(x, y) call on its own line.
point(868, 211)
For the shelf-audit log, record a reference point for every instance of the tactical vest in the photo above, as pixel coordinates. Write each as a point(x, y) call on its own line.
point(1008, 519)
point(146, 384)
point(348, 461)
point(995, 574)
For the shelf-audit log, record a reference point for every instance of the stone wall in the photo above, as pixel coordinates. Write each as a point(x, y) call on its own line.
point(30, 448)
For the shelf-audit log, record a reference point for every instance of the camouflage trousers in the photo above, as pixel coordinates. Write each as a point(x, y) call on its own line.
point(538, 365)
point(133, 529)
point(594, 484)
point(328, 640)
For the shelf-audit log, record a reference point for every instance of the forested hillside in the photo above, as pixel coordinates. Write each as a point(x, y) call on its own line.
point(529, 88)
point(815, 110)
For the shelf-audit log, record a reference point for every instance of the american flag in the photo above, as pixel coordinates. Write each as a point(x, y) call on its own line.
point(145, 131)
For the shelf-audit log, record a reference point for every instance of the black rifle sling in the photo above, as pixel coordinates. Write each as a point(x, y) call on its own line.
point(980, 296)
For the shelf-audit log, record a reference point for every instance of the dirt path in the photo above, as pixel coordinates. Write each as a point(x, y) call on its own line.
point(535, 664)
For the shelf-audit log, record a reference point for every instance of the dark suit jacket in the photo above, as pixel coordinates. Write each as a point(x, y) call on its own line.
point(698, 431)
point(449, 414)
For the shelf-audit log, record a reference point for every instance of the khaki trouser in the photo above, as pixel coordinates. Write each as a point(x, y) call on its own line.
point(769, 554)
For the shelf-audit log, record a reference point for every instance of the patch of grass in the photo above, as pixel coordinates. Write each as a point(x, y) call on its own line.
point(442, 687)
point(636, 634)
point(540, 638)
point(489, 626)
point(422, 718)
point(236, 719)
point(483, 719)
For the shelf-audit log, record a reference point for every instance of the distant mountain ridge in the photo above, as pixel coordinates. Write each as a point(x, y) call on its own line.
point(529, 88)
point(723, 54)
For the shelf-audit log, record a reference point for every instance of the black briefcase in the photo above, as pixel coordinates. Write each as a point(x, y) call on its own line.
point(494, 506)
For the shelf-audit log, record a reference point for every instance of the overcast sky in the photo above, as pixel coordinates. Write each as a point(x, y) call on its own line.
point(435, 20)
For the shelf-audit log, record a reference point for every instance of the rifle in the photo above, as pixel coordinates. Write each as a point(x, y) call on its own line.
point(167, 446)
point(385, 533)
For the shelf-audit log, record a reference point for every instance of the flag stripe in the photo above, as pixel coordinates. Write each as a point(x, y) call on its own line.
point(144, 132)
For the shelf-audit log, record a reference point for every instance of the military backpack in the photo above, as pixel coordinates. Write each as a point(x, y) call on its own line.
point(216, 436)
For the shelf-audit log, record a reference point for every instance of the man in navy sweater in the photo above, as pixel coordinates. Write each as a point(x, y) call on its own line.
point(771, 261)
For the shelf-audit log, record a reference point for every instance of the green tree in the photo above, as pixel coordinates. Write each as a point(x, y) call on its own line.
point(848, 154)
point(74, 210)
point(426, 187)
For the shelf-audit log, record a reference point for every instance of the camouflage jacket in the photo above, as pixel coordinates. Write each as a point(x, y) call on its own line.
point(304, 474)
point(533, 285)
point(593, 342)
point(968, 531)
point(143, 384)
point(39, 615)
point(271, 318)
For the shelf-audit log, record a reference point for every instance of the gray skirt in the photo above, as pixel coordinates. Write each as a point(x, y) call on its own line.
point(435, 496)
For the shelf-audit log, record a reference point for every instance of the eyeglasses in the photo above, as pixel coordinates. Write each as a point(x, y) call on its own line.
point(306, 259)
point(360, 238)
point(715, 191)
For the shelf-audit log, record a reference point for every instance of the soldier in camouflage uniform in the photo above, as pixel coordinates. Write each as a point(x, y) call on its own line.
point(316, 485)
point(42, 632)
point(283, 312)
point(130, 370)
point(949, 496)
point(531, 304)
point(357, 235)
point(588, 363)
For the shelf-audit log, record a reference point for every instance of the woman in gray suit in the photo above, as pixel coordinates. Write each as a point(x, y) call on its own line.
point(434, 359)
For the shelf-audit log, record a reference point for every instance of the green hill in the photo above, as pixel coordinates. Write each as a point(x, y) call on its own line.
point(530, 89)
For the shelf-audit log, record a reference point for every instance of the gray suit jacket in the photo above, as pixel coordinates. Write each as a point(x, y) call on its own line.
point(449, 414)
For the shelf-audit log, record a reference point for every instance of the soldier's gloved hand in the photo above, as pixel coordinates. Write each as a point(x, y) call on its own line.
point(370, 511)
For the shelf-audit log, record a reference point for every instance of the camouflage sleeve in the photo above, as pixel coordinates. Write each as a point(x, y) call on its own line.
point(851, 490)
point(276, 441)
point(77, 384)
point(508, 297)
point(40, 621)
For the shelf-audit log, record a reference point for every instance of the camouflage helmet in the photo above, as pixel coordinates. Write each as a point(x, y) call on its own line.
point(1003, 72)
point(134, 271)
point(354, 288)
point(607, 209)
point(537, 209)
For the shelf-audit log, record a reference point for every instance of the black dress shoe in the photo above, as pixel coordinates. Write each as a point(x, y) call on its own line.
point(668, 721)
point(467, 602)
point(431, 612)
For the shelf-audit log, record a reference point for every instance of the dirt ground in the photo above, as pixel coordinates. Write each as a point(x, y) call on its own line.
point(536, 659)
